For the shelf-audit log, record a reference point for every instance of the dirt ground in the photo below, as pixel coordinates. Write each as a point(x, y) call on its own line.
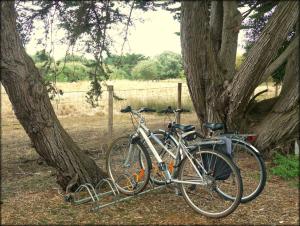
point(29, 194)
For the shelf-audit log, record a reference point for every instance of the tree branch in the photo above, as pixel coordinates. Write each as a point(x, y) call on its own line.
point(215, 23)
point(230, 31)
point(127, 26)
point(281, 59)
point(248, 108)
point(247, 13)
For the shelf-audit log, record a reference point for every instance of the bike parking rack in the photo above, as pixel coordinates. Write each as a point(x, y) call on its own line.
point(95, 195)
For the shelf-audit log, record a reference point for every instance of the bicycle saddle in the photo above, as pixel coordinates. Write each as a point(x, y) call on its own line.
point(184, 128)
point(214, 126)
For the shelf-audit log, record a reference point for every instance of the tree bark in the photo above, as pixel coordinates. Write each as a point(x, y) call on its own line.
point(28, 95)
point(231, 27)
point(216, 23)
point(281, 59)
point(282, 123)
point(201, 69)
point(215, 98)
point(260, 56)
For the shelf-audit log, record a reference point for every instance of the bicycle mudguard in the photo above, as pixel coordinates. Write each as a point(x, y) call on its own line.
point(247, 144)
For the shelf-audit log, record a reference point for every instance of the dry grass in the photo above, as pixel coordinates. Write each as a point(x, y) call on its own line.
point(153, 94)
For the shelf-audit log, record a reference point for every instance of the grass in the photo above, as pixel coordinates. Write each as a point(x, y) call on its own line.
point(286, 167)
point(153, 94)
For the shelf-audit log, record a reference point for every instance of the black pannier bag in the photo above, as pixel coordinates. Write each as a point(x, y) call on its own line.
point(221, 170)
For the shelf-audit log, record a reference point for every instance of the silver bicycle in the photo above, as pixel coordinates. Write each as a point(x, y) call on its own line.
point(245, 156)
point(202, 175)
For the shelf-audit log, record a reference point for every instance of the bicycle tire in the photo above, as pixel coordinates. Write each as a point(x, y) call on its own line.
point(121, 144)
point(211, 186)
point(253, 193)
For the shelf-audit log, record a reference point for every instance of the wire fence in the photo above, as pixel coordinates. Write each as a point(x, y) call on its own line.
point(79, 117)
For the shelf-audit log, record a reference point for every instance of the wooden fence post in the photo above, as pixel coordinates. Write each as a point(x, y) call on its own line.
point(110, 109)
point(179, 90)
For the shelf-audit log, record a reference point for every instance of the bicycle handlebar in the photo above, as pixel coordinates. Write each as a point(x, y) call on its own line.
point(126, 110)
point(167, 110)
point(143, 109)
point(170, 110)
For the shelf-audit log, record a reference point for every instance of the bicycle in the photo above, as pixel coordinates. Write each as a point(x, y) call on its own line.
point(246, 157)
point(201, 174)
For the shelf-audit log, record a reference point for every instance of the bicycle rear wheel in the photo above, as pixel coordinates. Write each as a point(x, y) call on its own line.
point(130, 177)
point(251, 165)
point(215, 173)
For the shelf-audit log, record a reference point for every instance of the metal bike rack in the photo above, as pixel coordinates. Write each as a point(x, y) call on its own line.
point(95, 195)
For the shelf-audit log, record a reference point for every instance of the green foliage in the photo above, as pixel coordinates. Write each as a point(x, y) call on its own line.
point(117, 73)
point(41, 56)
point(145, 70)
point(164, 66)
point(72, 72)
point(73, 68)
point(287, 166)
point(169, 65)
point(123, 64)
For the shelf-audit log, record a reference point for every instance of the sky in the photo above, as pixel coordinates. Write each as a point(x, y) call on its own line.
point(151, 37)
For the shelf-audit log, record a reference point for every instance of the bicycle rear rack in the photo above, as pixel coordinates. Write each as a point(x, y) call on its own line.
point(94, 194)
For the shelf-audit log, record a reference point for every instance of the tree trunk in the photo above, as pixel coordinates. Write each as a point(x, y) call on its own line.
point(218, 97)
point(259, 58)
point(282, 122)
point(202, 73)
point(231, 27)
point(216, 23)
point(31, 104)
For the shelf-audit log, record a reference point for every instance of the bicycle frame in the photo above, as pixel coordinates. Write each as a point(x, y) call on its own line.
point(182, 150)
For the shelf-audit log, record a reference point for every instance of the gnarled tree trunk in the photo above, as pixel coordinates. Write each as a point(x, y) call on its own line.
point(282, 122)
point(220, 94)
point(31, 104)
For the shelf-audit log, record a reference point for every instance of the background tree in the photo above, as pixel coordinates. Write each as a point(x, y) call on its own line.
point(169, 65)
point(124, 64)
point(146, 70)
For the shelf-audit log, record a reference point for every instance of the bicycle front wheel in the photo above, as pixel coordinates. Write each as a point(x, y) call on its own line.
point(130, 170)
point(202, 188)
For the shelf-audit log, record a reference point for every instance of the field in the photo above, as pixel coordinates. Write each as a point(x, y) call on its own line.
point(30, 195)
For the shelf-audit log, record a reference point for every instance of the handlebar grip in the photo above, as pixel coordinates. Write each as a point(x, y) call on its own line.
point(182, 110)
point(149, 110)
point(162, 111)
point(126, 110)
